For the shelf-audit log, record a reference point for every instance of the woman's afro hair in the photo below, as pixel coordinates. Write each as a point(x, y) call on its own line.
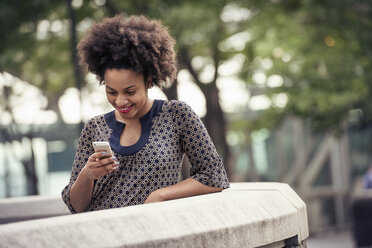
point(135, 43)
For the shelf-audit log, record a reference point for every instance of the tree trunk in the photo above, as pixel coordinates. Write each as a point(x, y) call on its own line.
point(216, 125)
point(171, 92)
point(112, 9)
point(75, 60)
point(215, 121)
point(30, 170)
point(252, 175)
point(11, 133)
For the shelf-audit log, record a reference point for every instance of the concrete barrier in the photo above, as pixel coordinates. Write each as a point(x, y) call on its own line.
point(31, 207)
point(246, 215)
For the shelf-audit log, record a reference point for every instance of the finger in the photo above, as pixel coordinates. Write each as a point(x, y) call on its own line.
point(112, 166)
point(93, 157)
point(107, 161)
point(101, 155)
point(92, 164)
point(95, 162)
point(115, 166)
point(103, 170)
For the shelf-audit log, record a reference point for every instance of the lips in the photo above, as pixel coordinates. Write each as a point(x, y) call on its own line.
point(124, 110)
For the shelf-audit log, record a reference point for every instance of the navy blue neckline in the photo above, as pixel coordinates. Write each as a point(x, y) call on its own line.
point(118, 127)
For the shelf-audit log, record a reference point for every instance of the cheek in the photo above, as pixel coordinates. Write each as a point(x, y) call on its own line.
point(143, 95)
point(136, 97)
point(110, 98)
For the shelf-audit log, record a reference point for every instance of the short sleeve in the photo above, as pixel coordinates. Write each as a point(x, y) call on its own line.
point(83, 151)
point(206, 164)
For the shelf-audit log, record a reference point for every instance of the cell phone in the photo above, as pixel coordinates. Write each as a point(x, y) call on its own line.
point(100, 146)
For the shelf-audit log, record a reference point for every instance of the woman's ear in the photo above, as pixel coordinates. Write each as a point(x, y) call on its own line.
point(149, 83)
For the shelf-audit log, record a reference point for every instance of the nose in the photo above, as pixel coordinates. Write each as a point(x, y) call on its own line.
point(121, 100)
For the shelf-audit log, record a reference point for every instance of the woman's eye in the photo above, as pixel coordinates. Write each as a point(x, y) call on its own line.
point(131, 92)
point(111, 92)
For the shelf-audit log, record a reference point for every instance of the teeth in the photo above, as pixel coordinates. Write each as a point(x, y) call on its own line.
point(124, 109)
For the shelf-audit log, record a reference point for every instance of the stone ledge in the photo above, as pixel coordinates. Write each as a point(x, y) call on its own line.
point(287, 192)
point(31, 207)
point(246, 215)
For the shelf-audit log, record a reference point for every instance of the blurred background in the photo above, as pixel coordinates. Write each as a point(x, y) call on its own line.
point(283, 86)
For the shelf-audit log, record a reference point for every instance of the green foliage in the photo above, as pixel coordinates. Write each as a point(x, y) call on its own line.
point(321, 49)
point(35, 47)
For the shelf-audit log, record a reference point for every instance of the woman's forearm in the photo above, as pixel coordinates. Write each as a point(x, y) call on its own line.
point(186, 188)
point(81, 193)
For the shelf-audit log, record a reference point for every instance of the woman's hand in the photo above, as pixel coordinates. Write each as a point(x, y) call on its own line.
point(155, 196)
point(186, 188)
point(99, 165)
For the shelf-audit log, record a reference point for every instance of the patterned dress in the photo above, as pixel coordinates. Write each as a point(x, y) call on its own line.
point(170, 130)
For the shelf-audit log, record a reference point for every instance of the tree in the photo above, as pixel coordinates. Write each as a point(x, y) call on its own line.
point(32, 39)
point(320, 50)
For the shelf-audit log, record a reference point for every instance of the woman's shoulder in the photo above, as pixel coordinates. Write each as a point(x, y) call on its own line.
point(176, 106)
point(98, 120)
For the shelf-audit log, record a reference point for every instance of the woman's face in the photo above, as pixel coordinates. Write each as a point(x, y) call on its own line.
point(127, 93)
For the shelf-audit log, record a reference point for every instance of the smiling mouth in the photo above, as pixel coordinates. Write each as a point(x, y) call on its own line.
point(125, 109)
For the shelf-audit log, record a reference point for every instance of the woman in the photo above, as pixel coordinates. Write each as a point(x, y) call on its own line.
point(148, 137)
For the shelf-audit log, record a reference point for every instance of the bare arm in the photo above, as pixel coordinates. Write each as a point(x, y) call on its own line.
point(81, 190)
point(81, 193)
point(186, 188)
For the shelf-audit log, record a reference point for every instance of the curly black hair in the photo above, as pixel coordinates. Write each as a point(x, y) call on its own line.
point(135, 43)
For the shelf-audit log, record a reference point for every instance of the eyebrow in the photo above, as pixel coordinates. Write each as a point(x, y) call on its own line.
point(132, 86)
